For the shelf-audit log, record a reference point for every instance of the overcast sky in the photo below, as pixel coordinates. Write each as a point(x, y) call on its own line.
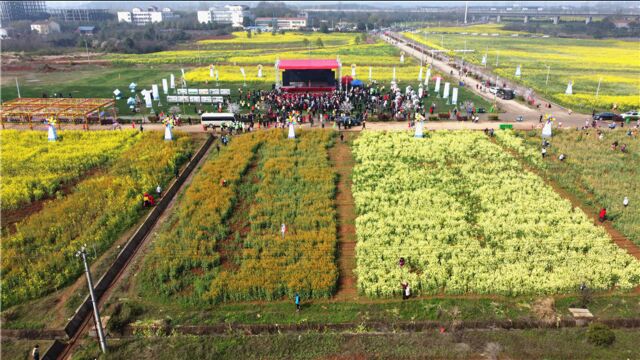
point(195, 4)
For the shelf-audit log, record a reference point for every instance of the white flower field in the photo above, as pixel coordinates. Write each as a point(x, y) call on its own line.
point(468, 218)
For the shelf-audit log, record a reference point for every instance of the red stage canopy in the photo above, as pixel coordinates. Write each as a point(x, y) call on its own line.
point(315, 64)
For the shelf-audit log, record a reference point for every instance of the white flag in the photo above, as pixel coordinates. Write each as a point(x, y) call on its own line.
point(394, 74)
point(182, 72)
point(426, 79)
point(211, 69)
point(353, 71)
point(484, 59)
point(147, 98)
point(569, 90)
point(165, 89)
point(518, 73)
point(370, 73)
point(156, 93)
point(454, 96)
point(437, 88)
point(173, 81)
point(420, 75)
point(446, 90)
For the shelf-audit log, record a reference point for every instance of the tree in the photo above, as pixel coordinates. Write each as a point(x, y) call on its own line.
point(357, 40)
point(324, 28)
point(319, 43)
point(248, 34)
point(305, 42)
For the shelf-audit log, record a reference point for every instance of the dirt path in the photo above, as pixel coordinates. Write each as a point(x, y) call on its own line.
point(342, 160)
point(239, 222)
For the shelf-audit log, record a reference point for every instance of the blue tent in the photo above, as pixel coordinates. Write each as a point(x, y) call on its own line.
point(357, 83)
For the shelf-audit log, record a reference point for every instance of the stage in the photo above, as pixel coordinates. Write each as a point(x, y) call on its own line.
point(313, 75)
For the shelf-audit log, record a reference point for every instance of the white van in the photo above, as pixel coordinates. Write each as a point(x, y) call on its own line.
point(214, 120)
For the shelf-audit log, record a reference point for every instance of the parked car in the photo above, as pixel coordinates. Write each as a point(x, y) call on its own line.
point(607, 116)
point(632, 115)
point(506, 94)
point(494, 89)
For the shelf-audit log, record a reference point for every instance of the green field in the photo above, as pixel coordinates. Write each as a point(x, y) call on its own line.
point(595, 174)
point(584, 62)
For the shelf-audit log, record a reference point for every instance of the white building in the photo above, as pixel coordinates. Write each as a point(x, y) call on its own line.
point(141, 17)
point(229, 14)
point(45, 27)
point(283, 23)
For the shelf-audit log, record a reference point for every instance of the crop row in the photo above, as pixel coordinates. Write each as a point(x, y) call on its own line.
point(40, 256)
point(34, 167)
point(468, 219)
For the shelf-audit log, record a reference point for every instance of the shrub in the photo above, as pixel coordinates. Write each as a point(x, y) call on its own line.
point(433, 118)
point(123, 315)
point(600, 335)
point(493, 117)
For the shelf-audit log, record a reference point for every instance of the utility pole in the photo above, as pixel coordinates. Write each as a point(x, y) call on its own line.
point(546, 82)
point(86, 47)
point(103, 342)
point(466, 8)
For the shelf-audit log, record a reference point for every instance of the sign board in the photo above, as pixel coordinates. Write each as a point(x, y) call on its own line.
point(203, 91)
point(172, 98)
point(194, 99)
point(205, 99)
point(182, 91)
point(192, 91)
point(214, 91)
point(225, 91)
point(183, 98)
point(216, 99)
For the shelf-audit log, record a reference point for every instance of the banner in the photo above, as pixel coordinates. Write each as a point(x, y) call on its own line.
point(518, 72)
point(211, 70)
point(260, 70)
point(156, 92)
point(426, 80)
point(370, 73)
point(147, 98)
point(420, 74)
point(353, 71)
point(454, 96)
point(394, 74)
point(437, 88)
point(484, 59)
point(446, 90)
point(165, 89)
point(242, 72)
point(173, 81)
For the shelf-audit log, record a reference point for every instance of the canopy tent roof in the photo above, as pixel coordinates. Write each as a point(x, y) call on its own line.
point(311, 64)
point(58, 107)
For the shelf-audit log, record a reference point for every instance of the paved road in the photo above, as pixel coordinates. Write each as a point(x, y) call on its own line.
point(512, 108)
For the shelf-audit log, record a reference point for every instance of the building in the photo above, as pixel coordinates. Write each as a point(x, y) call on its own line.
point(229, 14)
point(140, 17)
point(80, 15)
point(86, 30)
point(621, 23)
point(282, 23)
point(45, 27)
point(22, 10)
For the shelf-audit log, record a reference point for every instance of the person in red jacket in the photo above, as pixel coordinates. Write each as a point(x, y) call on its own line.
point(148, 200)
point(603, 214)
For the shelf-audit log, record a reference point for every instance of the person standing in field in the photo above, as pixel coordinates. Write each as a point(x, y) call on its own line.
point(296, 299)
point(36, 352)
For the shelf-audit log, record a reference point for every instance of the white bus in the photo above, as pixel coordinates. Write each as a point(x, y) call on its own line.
point(214, 120)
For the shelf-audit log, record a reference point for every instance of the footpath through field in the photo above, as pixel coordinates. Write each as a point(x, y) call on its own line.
point(342, 160)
